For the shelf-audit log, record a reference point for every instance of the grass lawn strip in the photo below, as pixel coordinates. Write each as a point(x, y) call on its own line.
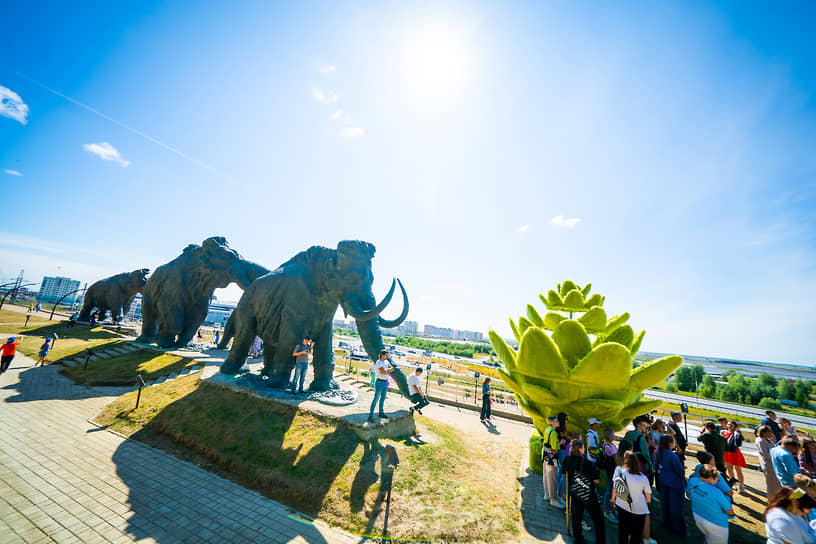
point(452, 486)
point(122, 369)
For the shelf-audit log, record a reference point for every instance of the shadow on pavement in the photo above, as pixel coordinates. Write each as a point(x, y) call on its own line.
point(46, 383)
point(174, 501)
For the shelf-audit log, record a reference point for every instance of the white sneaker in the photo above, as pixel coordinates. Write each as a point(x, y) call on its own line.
point(586, 526)
point(558, 503)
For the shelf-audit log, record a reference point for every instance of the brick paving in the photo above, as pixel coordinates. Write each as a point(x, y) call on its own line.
point(64, 480)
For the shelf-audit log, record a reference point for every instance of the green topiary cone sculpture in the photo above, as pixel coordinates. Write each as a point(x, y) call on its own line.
point(569, 372)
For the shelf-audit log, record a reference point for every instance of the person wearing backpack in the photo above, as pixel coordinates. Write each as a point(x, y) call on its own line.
point(672, 486)
point(582, 477)
point(549, 459)
point(609, 452)
point(631, 493)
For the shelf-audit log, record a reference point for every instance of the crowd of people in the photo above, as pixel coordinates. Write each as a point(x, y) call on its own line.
point(618, 480)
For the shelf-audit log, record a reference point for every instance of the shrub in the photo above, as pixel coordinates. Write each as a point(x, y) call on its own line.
point(771, 404)
point(671, 387)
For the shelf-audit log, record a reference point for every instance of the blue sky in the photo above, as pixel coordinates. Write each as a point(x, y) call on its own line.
point(663, 152)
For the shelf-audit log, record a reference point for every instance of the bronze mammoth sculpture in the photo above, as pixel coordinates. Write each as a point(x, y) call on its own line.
point(300, 298)
point(177, 295)
point(114, 294)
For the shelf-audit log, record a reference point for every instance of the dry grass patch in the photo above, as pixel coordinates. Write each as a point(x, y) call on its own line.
point(450, 487)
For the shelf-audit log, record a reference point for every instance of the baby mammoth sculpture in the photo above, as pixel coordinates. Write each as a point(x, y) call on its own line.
point(114, 294)
point(177, 295)
point(300, 299)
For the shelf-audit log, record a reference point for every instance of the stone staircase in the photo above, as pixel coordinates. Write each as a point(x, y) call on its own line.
point(102, 354)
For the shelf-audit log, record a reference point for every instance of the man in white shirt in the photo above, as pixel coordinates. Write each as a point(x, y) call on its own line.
point(417, 396)
point(593, 443)
point(382, 368)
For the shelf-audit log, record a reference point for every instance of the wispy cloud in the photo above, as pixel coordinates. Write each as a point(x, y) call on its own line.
point(352, 132)
point(337, 115)
point(524, 228)
point(325, 96)
point(147, 137)
point(12, 106)
point(106, 151)
point(560, 222)
point(13, 172)
point(327, 68)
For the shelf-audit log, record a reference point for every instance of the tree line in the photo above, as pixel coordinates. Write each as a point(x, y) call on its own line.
point(765, 390)
point(450, 348)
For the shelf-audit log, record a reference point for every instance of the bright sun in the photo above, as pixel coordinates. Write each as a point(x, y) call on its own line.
point(433, 62)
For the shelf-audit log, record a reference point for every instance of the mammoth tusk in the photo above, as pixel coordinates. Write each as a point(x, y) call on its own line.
point(366, 315)
point(385, 323)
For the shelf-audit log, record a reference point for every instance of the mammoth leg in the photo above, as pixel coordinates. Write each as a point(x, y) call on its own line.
point(277, 366)
point(150, 324)
point(192, 320)
point(240, 346)
point(87, 306)
point(323, 361)
point(170, 320)
point(229, 332)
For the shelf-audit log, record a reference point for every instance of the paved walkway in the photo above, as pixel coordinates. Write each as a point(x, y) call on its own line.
point(63, 480)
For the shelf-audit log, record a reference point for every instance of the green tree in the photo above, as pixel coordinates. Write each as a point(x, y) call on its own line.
point(728, 393)
point(786, 390)
point(802, 399)
point(708, 391)
point(684, 378)
point(766, 379)
point(699, 372)
point(671, 387)
point(708, 380)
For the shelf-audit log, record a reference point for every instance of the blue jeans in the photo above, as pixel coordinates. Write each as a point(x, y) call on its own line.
point(561, 480)
point(607, 498)
point(300, 375)
point(380, 389)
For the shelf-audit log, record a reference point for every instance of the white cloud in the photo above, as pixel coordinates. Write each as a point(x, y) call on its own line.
point(524, 228)
point(337, 115)
point(352, 132)
point(106, 151)
point(12, 172)
point(324, 97)
point(560, 222)
point(327, 69)
point(12, 106)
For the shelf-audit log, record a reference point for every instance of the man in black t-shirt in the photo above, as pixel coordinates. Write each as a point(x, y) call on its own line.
point(679, 439)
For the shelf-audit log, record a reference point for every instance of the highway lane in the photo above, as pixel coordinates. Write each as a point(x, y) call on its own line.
point(730, 408)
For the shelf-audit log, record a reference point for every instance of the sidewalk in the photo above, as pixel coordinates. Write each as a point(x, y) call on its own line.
point(63, 480)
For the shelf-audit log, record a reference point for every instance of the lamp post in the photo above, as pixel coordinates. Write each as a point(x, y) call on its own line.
point(475, 386)
point(427, 377)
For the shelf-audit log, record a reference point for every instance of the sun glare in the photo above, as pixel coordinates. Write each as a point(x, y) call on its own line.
point(433, 62)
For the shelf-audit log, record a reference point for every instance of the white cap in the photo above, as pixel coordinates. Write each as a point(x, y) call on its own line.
point(594, 420)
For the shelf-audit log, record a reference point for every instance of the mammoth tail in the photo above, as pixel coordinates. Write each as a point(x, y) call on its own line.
point(229, 332)
point(402, 381)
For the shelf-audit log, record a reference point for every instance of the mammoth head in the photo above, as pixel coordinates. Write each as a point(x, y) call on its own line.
point(226, 264)
point(138, 279)
point(354, 275)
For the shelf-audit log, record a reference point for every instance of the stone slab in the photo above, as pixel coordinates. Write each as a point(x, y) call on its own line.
point(400, 422)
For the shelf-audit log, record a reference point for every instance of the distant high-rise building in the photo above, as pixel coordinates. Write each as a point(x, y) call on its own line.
point(53, 289)
point(452, 334)
point(408, 327)
point(135, 312)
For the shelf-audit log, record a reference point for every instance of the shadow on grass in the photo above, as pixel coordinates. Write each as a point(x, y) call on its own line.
point(122, 370)
point(45, 383)
point(249, 441)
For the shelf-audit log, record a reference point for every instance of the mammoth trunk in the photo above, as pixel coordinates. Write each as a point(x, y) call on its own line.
point(373, 343)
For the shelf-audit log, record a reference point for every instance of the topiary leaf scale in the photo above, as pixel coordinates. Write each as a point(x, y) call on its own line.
point(569, 372)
